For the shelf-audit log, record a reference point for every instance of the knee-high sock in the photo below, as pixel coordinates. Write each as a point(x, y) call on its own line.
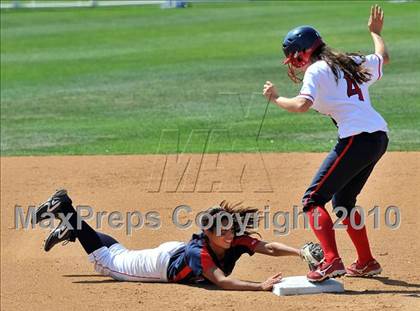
point(359, 239)
point(106, 239)
point(325, 232)
point(87, 236)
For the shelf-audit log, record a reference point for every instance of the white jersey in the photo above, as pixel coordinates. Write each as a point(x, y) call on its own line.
point(346, 102)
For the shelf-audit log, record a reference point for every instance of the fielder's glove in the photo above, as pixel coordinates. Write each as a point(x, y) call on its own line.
point(313, 254)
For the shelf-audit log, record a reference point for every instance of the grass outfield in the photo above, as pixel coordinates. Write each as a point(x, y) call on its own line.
point(144, 80)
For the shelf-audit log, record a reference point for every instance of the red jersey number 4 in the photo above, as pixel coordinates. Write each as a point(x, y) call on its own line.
point(353, 88)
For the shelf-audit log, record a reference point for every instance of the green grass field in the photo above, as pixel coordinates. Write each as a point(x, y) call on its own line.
point(144, 80)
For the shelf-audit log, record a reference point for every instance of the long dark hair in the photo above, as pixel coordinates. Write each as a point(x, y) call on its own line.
point(344, 61)
point(235, 208)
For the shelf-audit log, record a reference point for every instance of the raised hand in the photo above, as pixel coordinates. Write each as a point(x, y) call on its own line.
point(376, 19)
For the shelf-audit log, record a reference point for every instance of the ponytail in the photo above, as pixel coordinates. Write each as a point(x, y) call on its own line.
point(347, 62)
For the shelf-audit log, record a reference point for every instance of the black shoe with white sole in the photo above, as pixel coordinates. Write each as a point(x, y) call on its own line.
point(59, 202)
point(62, 233)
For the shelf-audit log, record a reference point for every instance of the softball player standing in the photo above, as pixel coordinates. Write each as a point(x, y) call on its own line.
point(336, 84)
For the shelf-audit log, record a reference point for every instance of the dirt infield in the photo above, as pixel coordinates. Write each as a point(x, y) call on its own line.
point(63, 278)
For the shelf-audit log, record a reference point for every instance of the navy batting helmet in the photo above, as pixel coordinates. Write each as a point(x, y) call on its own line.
point(299, 44)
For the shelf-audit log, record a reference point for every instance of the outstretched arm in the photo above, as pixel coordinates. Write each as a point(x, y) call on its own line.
point(375, 25)
point(217, 277)
point(310, 252)
point(276, 249)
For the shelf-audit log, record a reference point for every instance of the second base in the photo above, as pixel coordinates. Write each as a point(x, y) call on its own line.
point(299, 285)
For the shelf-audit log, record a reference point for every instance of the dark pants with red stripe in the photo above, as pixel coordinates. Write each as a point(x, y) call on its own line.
point(341, 177)
point(345, 171)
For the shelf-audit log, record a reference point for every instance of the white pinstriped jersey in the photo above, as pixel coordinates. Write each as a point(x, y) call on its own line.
point(346, 102)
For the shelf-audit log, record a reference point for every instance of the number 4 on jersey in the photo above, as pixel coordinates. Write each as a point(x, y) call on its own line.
point(353, 88)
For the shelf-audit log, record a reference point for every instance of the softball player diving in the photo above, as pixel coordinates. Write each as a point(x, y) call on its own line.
point(209, 256)
point(337, 85)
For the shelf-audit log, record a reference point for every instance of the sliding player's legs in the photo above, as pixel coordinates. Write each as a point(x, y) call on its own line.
point(146, 265)
point(109, 257)
point(59, 205)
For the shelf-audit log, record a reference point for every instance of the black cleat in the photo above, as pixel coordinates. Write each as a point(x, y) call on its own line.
point(61, 233)
point(59, 202)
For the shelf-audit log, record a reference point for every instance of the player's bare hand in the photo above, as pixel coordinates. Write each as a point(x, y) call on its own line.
point(376, 19)
point(269, 283)
point(270, 91)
